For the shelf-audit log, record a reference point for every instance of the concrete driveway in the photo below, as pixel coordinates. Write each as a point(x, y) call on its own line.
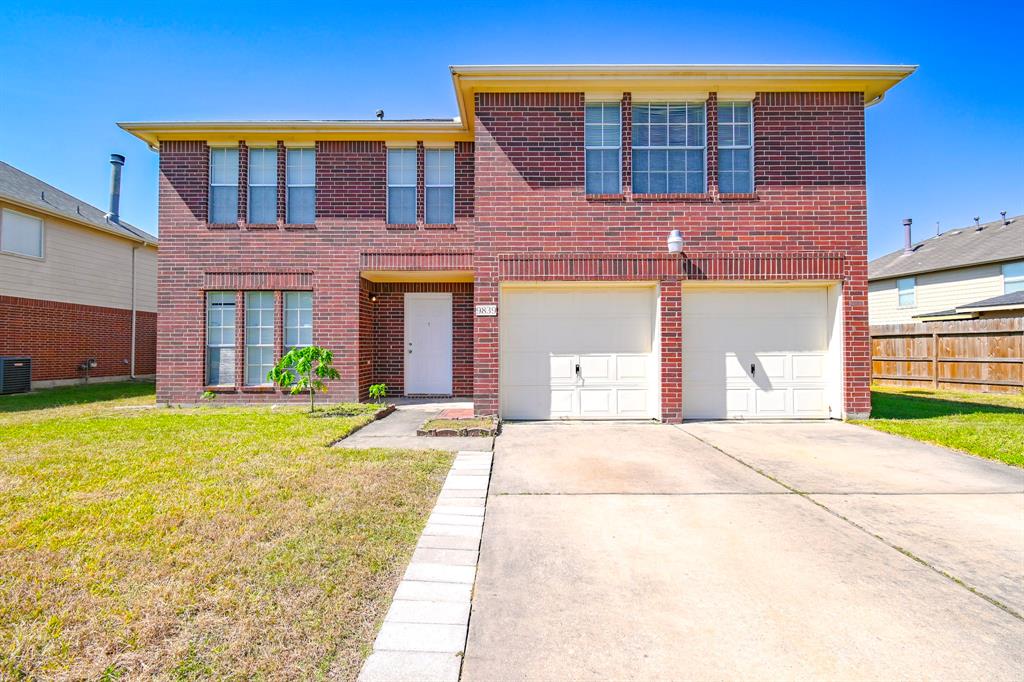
point(757, 551)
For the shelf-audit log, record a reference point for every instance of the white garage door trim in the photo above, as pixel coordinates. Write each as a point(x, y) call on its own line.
point(767, 351)
point(579, 351)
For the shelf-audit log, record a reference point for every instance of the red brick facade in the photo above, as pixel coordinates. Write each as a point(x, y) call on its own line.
point(60, 336)
point(521, 212)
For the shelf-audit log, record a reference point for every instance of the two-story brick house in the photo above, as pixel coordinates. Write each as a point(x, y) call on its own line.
point(581, 241)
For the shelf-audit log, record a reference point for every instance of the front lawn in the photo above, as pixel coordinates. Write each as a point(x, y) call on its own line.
point(196, 543)
point(985, 424)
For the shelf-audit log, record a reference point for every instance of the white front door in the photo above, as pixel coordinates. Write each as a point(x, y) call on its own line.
point(578, 352)
point(428, 344)
point(759, 352)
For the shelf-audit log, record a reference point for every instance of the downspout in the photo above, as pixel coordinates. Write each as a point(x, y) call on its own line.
point(131, 371)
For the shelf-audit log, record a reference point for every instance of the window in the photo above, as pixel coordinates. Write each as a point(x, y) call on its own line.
point(21, 234)
point(1013, 277)
point(259, 336)
point(440, 184)
point(298, 319)
point(223, 186)
point(301, 180)
point(401, 186)
point(905, 288)
point(669, 142)
point(602, 138)
point(735, 148)
point(220, 338)
point(262, 186)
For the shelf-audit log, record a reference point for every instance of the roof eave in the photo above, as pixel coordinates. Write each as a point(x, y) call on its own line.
point(84, 223)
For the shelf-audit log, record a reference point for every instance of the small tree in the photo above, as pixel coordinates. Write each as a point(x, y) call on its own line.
point(378, 392)
point(311, 364)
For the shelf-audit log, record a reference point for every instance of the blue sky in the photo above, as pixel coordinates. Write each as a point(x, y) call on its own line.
point(946, 145)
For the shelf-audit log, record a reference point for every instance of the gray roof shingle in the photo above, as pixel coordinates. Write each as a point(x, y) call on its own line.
point(20, 187)
point(955, 249)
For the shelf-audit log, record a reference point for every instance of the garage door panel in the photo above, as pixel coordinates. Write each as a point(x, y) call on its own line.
point(783, 332)
point(609, 332)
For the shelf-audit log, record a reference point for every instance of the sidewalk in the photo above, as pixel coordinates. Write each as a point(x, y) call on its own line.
point(398, 430)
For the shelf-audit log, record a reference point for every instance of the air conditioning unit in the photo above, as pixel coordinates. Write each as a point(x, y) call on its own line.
point(15, 375)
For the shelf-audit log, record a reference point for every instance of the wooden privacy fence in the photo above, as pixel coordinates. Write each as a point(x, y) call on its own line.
point(965, 355)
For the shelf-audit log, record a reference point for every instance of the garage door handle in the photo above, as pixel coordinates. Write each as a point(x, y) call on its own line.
point(577, 369)
point(752, 369)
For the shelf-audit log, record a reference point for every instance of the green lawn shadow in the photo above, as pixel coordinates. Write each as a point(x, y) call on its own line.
point(80, 394)
point(903, 406)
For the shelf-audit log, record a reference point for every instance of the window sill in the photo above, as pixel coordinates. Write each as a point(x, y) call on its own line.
point(258, 389)
point(606, 197)
point(439, 226)
point(261, 226)
point(703, 196)
point(222, 226)
point(220, 389)
point(746, 196)
point(298, 227)
point(399, 227)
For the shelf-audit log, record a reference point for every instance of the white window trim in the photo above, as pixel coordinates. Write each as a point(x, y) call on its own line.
point(427, 185)
point(586, 148)
point(703, 148)
point(245, 359)
point(206, 320)
point(913, 292)
point(42, 236)
point(288, 184)
point(414, 185)
point(1013, 279)
point(209, 198)
point(248, 203)
point(735, 100)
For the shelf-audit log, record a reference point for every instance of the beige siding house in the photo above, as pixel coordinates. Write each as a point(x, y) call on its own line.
point(76, 284)
point(970, 272)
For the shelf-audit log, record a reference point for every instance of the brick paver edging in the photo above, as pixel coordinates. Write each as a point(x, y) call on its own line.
point(424, 632)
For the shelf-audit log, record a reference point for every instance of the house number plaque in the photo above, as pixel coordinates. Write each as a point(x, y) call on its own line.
point(486, 310)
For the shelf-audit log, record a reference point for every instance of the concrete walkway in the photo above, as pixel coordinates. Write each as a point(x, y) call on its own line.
point(398, 430)
point(745, 551)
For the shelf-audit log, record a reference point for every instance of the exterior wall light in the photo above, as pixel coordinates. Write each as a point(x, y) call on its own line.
point(675, 241)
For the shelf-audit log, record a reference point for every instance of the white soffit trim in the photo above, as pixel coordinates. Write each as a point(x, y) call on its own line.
point(669, 96)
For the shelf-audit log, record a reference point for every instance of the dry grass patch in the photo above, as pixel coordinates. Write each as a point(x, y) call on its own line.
point(196, 543)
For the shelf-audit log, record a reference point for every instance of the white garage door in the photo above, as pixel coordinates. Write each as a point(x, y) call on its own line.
point(755, 353)
point(583, 353)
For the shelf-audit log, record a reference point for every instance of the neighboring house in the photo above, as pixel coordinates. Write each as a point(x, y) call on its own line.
point(76, 284)
point(526, 253)
point(970, 272)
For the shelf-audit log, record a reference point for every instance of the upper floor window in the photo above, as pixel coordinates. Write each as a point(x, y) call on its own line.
point(401, 186)
point(602, 138)
point(223, 185)
point(669, 142)
point(259, 336)
point(300, 174)
point(735, 148)
point(439, 176)
point(220, 338)
point(262, 185)
point(905, 289)
point(1013, 277)
point(298, 319)
point(21, 234)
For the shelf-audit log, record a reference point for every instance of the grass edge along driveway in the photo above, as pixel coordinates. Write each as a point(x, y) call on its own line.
point(989, 425)
point(224, 542)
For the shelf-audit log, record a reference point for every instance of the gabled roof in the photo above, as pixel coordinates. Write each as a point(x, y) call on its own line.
point(668, 80)
point(958, 248)
point(27, 191)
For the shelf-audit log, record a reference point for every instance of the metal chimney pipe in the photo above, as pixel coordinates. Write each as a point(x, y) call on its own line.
point(908, 246)
point(116, 162)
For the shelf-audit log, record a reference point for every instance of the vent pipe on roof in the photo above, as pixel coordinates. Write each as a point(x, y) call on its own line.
point(116, 162)
point(977, 223)
point(380, 114)
point(908, 244)
point(1003, 214)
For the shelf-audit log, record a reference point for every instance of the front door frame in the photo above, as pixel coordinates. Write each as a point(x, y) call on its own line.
point(435, 378)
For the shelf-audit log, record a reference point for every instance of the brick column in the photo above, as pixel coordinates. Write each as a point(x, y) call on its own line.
point(627, 143)
point(671, 351)
point(485, 338)
point(421, 192)
point(243, 182)
point(712, 143)
point(282, 183)
point(857, 339)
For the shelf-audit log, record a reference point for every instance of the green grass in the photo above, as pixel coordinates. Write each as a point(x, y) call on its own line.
point(195, 543)
point(989, 425)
